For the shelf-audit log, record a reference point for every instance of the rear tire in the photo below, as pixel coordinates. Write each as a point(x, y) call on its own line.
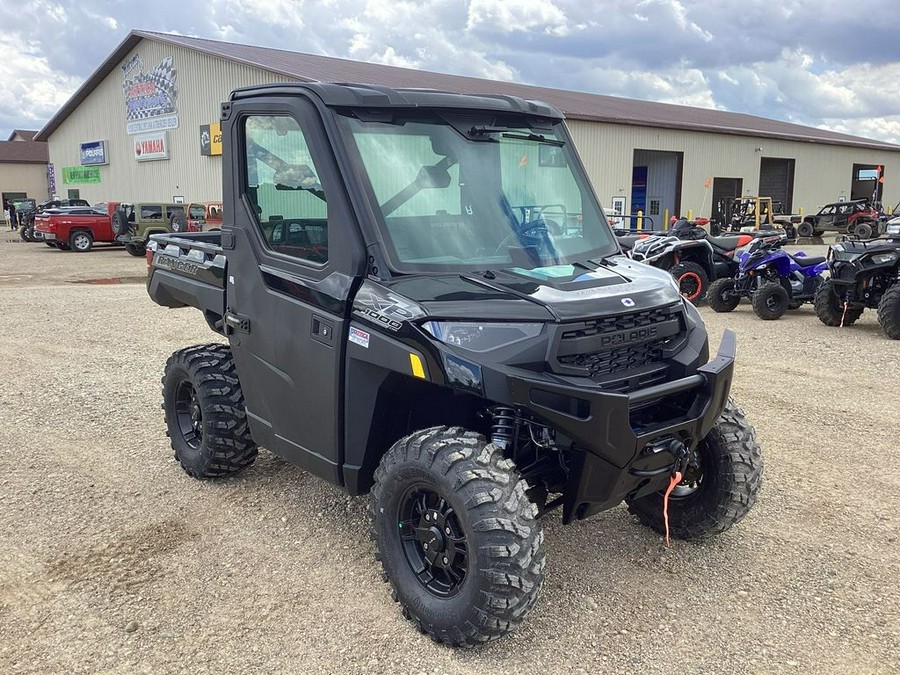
point(483, 571)
point(721, 296)
point(805, 229)
point(204, 411)
point(81, 241)
point(25, 233)
point(889, 312)
point(718, 492)
point(770, 301)
point(137, 250)
point(692, 281)
point(829, 308)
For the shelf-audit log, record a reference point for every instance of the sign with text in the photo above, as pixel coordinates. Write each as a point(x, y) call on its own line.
point(93, 153)
point(150, 97)
point(211, 139)
point(74, 175)
point(51, 178)
point(149, 147)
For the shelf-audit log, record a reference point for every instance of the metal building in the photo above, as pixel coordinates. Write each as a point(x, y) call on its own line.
point(144, 127)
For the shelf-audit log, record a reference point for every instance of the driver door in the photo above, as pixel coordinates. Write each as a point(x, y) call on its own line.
point(294, 258)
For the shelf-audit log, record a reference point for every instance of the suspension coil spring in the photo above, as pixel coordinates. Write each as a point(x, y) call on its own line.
point(504, 426)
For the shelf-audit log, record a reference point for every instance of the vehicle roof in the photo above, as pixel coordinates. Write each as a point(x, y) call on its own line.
point(348, 95)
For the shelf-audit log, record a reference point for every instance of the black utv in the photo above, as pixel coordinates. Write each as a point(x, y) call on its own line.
point(423, 300)
point(864, 274)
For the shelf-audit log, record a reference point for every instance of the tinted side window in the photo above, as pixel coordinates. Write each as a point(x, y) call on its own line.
point(151, 213)
point(284, 188)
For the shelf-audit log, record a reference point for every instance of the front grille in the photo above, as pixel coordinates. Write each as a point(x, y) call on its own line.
point(608, 324)
point(604, 363)
point(618, 351)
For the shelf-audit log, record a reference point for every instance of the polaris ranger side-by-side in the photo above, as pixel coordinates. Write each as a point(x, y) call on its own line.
point(423, 300)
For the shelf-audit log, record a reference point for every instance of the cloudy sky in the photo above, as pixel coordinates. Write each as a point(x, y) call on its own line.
point(833, 64)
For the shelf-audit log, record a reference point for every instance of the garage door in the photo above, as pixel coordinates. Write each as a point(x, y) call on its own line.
point(776, 180)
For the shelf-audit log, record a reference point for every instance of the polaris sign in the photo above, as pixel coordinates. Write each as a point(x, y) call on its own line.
point(93, 153)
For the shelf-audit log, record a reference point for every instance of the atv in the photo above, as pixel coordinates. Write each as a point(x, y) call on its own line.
point(692, 256)
point(773, 279)
point(864, 274)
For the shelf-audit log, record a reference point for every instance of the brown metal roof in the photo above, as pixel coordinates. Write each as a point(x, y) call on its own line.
point(575, 105)
point(19, 152)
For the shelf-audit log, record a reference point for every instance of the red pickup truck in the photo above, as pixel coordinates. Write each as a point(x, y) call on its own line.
point(77, 228)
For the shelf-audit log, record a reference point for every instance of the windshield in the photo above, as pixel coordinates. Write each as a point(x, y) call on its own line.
point(455, 194)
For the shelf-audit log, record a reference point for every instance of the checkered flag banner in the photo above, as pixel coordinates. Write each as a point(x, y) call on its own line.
point(151, 94)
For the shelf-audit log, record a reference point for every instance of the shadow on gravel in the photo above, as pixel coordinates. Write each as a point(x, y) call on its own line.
point(105, 281)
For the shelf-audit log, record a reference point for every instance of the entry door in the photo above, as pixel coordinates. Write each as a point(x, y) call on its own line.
point(287, 290)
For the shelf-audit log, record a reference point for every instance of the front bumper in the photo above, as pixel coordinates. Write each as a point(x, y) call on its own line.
point(623, 442)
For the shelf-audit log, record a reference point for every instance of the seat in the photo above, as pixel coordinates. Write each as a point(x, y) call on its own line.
point(808, 260)
point(629, 240)
point(728, 243)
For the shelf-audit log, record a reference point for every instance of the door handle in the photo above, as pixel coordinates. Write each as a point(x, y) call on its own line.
point(235, 323)
point(322, 330)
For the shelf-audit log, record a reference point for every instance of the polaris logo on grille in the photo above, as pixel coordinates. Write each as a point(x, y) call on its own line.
point(627, 336)
point(628, 302)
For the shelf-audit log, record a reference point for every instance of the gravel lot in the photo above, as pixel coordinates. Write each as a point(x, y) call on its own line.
point(113, 560)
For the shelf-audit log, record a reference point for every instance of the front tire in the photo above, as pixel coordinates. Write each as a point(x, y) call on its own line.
point(889, 312)
point(456, 536)
point(204, 410)
point(806, 229)
point(719, 488)
point(829, 309)
point(693, 282)
point(721, 296)
point(770, 301)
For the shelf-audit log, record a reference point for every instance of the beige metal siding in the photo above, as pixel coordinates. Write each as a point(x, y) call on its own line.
point(822, 173)
point(28, 178)
point(202, 82)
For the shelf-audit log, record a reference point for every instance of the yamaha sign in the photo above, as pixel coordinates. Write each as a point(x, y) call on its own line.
point(93, 153)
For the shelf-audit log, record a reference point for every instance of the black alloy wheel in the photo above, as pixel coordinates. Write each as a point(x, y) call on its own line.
point(434, 543)
point(189, 414)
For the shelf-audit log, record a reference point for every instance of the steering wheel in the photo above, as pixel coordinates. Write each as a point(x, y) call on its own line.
point(533, 229)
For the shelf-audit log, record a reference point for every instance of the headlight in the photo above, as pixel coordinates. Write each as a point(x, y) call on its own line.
point(883, 258)
point(481, 337)
point(893, 228)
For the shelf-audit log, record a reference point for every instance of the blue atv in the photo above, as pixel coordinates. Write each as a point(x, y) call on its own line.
point(773, 279)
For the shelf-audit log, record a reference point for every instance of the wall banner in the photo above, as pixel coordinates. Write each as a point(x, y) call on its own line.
point(149, 147)
point(74, 175)
point(150, 97)
point(51, 178)
point(211, 139)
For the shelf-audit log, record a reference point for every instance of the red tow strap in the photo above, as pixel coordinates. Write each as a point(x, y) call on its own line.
point(675, 480)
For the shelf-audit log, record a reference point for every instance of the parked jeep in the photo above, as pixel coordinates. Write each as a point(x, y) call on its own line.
point(198, 217)
point(858, 217)
point(134, 223)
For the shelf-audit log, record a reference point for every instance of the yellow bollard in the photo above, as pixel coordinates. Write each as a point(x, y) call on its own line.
point(690, 214)
point(800, 210)
point(665, 220)
point(640, 220)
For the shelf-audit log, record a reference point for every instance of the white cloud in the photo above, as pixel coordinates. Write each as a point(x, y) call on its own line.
point(509, 16)
point(814, 62)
